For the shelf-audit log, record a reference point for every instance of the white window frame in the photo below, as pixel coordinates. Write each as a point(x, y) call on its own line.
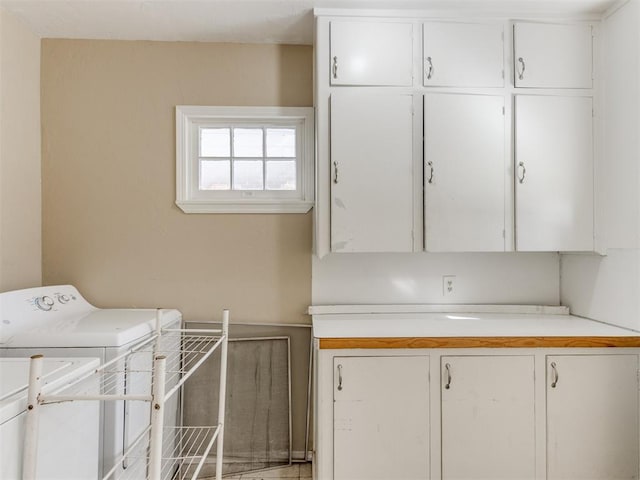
point(193, 200)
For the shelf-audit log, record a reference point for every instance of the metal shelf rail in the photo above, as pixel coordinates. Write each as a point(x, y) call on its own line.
point(176, 354)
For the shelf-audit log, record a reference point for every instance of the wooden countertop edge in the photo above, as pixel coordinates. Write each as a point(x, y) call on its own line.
point(479, 342)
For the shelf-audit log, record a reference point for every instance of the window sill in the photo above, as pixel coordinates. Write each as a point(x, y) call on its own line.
point(244, 207)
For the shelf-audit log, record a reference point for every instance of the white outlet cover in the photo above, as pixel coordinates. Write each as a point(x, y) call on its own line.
point(448, 285)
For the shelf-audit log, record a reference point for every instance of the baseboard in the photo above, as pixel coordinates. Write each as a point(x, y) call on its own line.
point(299, 456)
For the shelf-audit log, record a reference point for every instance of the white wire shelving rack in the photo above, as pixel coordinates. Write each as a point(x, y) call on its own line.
point(167, 360)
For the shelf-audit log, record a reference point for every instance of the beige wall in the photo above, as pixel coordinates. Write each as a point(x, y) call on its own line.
point(20, 200)
point(110, 224)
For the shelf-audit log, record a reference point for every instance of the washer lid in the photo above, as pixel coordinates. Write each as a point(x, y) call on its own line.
point(14, 373)
point(97, 328)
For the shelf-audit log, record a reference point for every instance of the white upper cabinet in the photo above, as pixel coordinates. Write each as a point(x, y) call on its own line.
point(554, 173)
point(464, 143)
point(447, 178)
point(553, 56)
point(372, 179)
point(371, 53)
point(463, 55)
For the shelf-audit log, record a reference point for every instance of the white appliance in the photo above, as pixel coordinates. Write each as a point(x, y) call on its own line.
point(56, 321)
point(69, 436)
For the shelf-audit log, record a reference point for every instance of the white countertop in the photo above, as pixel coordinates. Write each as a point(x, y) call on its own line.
point(456, 324)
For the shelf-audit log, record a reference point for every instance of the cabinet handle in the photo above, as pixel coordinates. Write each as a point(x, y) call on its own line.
point(340, 377)
point(335, 67)
point(447, 385)
point(431, 172)
point(335, 172)
point(554, 375)
point(522, 173)
point(521, 71)
point(430, 71)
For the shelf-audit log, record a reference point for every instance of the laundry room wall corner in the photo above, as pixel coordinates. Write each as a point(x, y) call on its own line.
point(20, 197)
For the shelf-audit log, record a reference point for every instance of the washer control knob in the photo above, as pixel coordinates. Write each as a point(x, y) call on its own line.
point(44, 303)
point(62, 298)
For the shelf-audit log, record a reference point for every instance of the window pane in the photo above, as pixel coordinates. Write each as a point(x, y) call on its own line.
point(281, 142)
point(215, 142)
point(247, 142)
point(281, 175)
point(247, 175)
point(215, 175)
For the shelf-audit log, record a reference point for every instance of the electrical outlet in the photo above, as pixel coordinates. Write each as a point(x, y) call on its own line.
point(448, 285)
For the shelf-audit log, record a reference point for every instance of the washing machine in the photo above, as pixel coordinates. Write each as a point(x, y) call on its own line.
point(57, 321)
point(68, 435)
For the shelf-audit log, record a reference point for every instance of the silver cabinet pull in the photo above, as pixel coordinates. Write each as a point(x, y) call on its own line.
point(522, 173)
point(339, 377)
point(554, 375)
point(335, 172)
point(430, 71)
point(521, 70)
point(431, 172)
point(447, 385)
point(335, 67)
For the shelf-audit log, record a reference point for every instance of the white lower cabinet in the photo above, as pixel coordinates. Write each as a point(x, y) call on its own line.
point(488, 417)
point(592, 417)
point(557, 414)
point(381, 418)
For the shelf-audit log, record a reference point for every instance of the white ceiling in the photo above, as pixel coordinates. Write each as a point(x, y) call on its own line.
point(247, 21)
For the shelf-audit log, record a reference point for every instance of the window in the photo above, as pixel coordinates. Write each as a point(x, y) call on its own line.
point(244, 159)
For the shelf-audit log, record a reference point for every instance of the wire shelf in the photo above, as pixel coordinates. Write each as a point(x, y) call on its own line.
point(152, 371)
point(130, 376)
point(184, 451)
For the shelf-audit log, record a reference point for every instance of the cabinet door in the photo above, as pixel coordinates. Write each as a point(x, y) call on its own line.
point(592, 417)
point(464, 173)
point(554, 173)
point(371, 53)
point(488, 418)
point(463, 55)
point(372, 198)
point(552, 56)
point(381, 418)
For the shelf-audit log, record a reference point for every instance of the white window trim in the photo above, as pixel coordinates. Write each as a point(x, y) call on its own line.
point(188, 118)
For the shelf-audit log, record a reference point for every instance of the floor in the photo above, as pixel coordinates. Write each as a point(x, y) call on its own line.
point(297, 471)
